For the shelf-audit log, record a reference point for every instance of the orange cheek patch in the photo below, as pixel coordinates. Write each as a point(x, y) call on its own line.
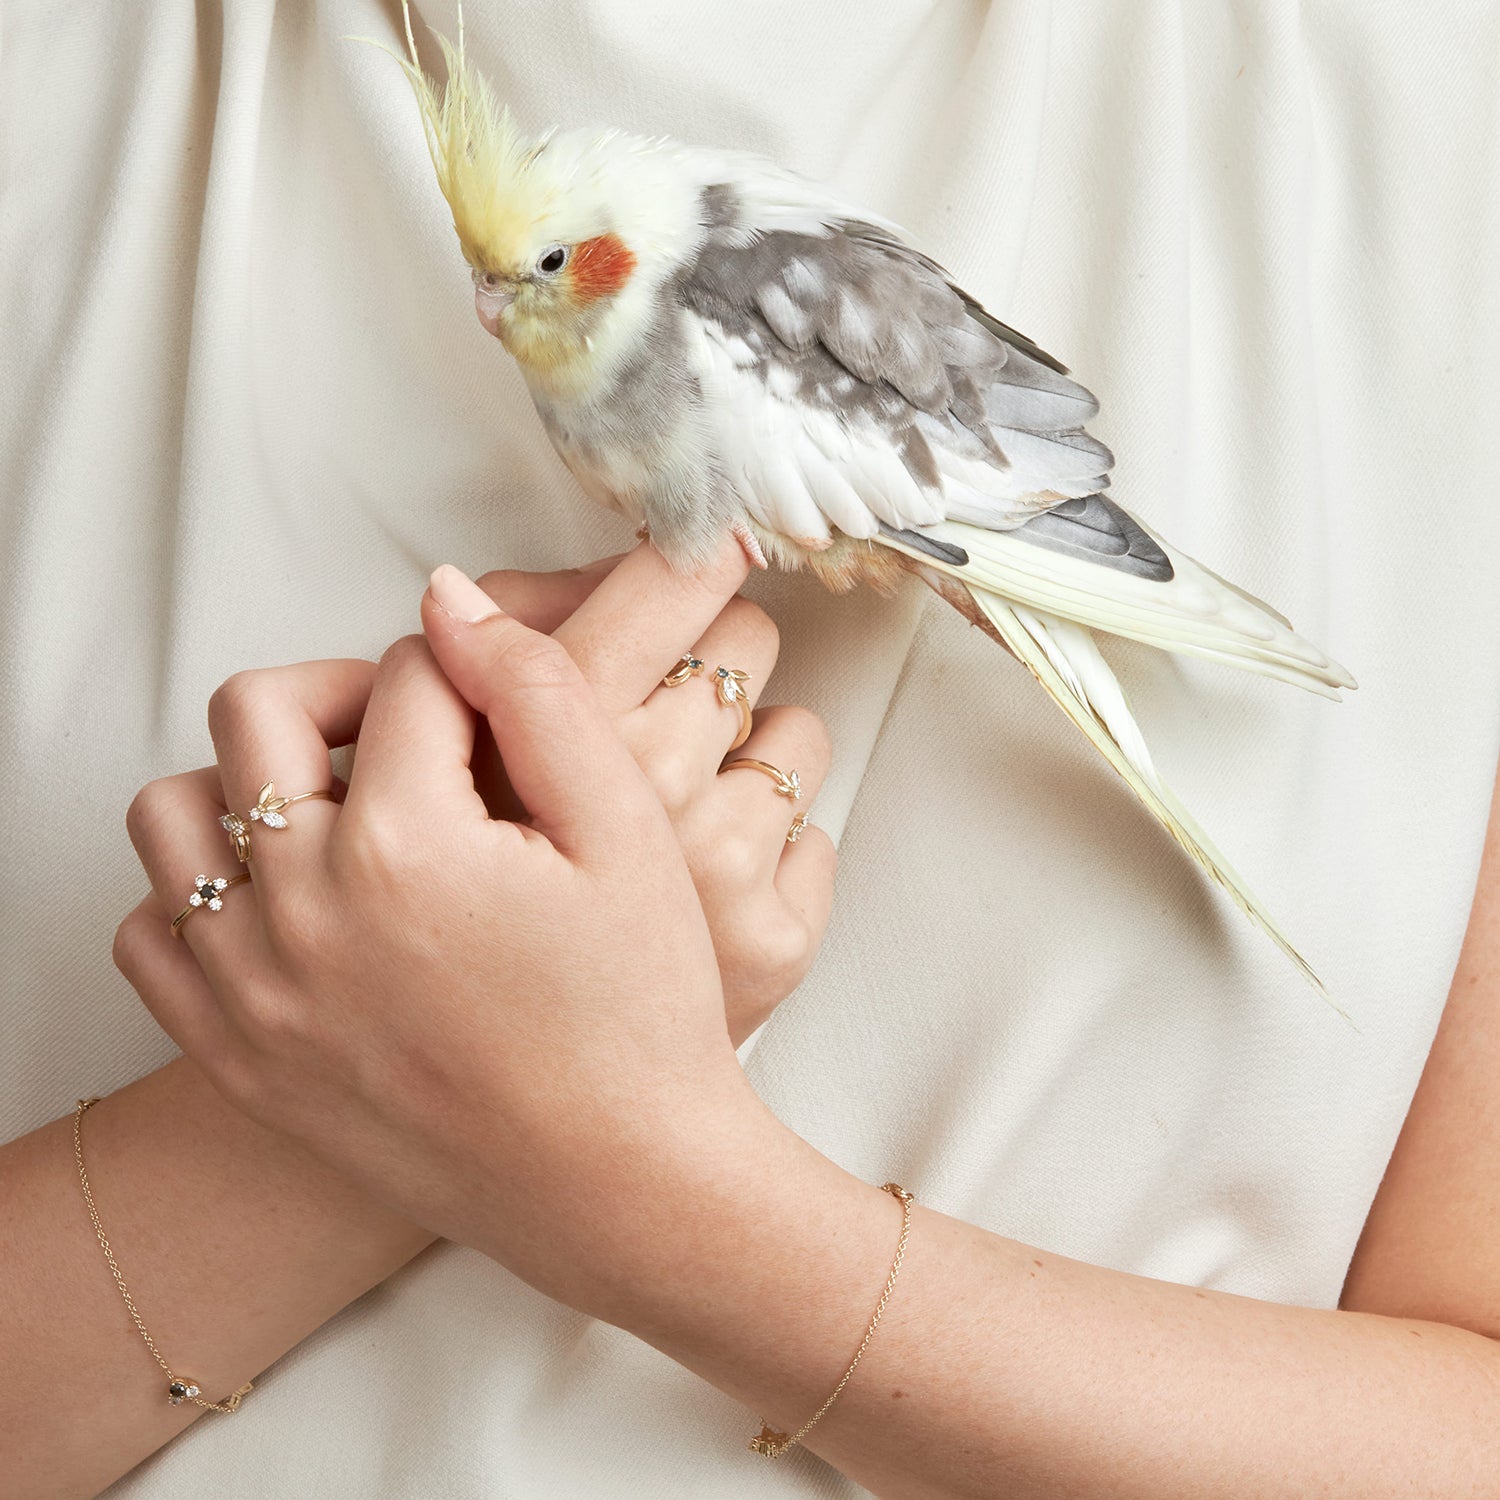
point(600, 267)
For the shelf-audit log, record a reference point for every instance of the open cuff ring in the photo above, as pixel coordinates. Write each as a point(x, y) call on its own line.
point(269, 810)
point(788, 783)
point(727, 680)
point(208, 895)
point(687, 666)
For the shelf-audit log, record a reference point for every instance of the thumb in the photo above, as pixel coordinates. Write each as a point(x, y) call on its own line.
point(564, 760)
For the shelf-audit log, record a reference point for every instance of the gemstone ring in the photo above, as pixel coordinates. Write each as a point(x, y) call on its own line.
point(208, 895)
point(269, 811)
point(732, 695)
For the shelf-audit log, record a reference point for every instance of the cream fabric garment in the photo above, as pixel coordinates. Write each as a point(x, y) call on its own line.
point(247, 407)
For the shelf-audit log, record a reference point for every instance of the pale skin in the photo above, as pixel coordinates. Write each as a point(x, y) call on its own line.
point(999, 1368)
point(236, 1242)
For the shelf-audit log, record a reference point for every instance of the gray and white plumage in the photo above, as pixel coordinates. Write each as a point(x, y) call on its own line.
point(857, 332)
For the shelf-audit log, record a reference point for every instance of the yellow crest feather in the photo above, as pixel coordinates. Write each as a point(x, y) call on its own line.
point(480, 157)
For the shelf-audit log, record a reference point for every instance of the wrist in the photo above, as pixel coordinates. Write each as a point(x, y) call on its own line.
point(757, 1265)
point(584, 1205)
point(304, 1185)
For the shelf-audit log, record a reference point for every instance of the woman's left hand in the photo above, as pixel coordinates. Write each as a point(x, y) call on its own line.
point(512, 1031)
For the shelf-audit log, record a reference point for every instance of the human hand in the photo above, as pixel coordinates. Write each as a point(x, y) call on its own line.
point(766, 900)
point(766, 903)
point(367, 1002)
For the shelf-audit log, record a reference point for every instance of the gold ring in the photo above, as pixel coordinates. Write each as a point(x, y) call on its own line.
point(795, 831)
point(270, 810)
point(207, 895)
point(788, 783)
point(732, 695)
point(234, 825)
point(687, 666)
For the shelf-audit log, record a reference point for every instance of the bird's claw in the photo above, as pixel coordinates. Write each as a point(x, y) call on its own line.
point(742, 534)
point(746, 538)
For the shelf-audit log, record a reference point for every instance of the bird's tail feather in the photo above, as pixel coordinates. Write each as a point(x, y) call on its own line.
point(1195, 612)
point(1065, 659)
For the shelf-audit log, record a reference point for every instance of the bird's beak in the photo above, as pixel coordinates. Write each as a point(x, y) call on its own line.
point(491, 297)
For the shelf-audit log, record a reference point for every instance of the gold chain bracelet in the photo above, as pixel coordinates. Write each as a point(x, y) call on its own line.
point(179, 1388)
point(772, 1444)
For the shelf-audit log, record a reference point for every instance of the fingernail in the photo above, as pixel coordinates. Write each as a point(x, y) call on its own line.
point(456, 593)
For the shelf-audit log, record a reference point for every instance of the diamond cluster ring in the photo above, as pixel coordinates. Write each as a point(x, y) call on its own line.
point(208, 895)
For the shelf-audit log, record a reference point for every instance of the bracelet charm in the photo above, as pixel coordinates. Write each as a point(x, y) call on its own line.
point(178, 1389)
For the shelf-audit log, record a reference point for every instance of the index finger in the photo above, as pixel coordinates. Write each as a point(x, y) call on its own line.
point(637, 623)
point(544, 600)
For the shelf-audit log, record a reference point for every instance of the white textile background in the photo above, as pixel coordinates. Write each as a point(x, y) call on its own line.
point(245, 407)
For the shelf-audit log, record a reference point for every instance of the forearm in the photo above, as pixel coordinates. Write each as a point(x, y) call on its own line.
point(235, 1243)
point(999, 1369)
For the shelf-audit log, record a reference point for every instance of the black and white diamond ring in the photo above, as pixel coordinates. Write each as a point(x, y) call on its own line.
point(208, 895)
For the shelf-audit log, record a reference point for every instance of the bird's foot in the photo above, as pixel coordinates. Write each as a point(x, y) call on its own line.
point(747, 539)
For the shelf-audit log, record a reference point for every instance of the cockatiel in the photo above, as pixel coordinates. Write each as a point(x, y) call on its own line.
point(717, 345)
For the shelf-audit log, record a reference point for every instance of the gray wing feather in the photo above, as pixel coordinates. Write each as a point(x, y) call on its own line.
point(1030, 395)
point(1099, 531)
point(987, 319)
point(945, 552)
point(858, 302)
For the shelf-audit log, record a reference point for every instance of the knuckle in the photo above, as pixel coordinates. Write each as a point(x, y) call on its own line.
point(147, 810)
point(736, 854)
point(674, 797)
point(383, 853)
point(273, 1019)
point(374, 849)
point(780, 951)
point(236, 700)
point(765, 958)
point(751, 627)
point(130, 945)
point(293, 923)
point(808, 732)
point(676, 778)
point(405, 652)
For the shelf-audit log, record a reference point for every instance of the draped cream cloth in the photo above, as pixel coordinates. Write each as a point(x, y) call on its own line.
point(245, 406)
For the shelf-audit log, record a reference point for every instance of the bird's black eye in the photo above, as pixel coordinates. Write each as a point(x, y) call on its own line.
point(552, 260)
